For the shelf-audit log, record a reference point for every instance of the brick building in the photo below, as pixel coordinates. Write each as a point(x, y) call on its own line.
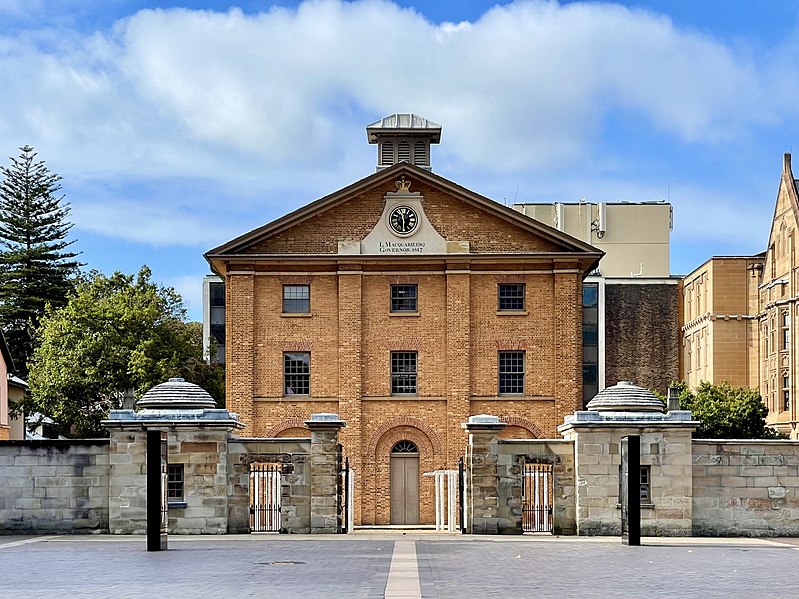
point(405, 303)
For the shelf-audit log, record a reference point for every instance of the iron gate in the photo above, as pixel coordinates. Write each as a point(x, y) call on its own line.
point(345, 484)
point(537, 498)
point(265, 497)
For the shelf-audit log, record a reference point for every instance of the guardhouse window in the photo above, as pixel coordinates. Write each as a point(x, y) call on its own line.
point(174, 481)
point(511, 372)
point(296, 299)
point(403, 298)
point(646, 486)
point(511, 296)
point(403, 372)
point(297, 373)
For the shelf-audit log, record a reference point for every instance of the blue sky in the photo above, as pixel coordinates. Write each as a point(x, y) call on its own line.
point(179, 126)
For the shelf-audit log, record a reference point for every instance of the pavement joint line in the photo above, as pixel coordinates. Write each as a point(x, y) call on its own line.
point(25, 542)
point(403, 574)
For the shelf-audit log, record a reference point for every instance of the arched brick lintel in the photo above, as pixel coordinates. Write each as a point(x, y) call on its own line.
point(435, 438)
point(285, 425)
point(524, 423)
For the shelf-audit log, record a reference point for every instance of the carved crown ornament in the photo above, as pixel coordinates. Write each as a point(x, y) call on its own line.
point(403, 185)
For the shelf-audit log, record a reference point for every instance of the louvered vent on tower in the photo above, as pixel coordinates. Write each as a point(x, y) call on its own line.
point(386, 153)
point(420, 154)
point(404, 152)
point(403, 138)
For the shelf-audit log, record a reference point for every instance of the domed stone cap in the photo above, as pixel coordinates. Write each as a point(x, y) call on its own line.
point(176, 394)
point(625, 397)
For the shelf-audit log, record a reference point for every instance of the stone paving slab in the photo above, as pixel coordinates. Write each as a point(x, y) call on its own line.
point(606, 569)
point(357, 566)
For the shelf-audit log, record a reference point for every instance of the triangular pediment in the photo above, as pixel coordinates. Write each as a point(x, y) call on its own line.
point(449, 219)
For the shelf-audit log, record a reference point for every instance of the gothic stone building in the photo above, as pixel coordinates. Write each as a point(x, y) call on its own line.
point(404, 303)
point(740, 316)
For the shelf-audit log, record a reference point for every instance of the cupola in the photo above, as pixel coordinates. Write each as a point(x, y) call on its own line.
point(403, 138)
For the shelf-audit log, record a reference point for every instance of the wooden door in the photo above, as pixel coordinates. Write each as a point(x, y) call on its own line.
point(405, 488)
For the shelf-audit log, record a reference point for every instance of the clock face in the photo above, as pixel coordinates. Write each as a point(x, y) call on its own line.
point(403, 220)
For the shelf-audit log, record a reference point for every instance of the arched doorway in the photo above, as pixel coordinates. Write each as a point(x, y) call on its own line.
point(404, 483)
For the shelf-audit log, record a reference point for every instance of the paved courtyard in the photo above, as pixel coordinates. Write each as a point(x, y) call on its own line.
point(397, 566)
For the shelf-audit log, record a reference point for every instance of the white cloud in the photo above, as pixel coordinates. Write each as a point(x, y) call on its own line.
point(258, 104)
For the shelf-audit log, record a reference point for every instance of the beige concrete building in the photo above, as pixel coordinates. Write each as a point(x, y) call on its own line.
point(740, 316)
point(634, 236)
point(405, 303)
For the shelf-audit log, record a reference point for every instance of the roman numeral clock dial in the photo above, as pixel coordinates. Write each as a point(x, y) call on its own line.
point(403, 220)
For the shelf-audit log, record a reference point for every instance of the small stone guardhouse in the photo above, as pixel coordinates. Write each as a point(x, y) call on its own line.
point(404, 303)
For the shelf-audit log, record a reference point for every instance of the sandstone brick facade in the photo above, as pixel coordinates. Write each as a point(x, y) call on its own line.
point(457, 331)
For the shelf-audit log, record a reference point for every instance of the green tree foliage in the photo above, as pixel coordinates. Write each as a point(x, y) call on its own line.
point(726, 412)
point(36, 267)
point(117, 336)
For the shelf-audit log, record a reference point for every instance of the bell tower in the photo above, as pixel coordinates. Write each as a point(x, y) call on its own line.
point(403, 138)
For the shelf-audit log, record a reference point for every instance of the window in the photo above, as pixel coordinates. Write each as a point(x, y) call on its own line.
point(296, 299)
point(216, 292)
point(590, 341)
point(589, 374)
point(785, 331)
point(403, 373)
point(644, 484)
point(174, 481)
point(511, 296)
point(511, 372)
point(646, 488)
point(403, 298)
point(590, 334)
point(297, 373)
point(786, 393)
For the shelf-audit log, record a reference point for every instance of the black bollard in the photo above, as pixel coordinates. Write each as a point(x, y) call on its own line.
point(631, 490)
point(157, 516)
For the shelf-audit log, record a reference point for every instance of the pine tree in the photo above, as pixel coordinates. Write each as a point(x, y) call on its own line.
point(36, 267)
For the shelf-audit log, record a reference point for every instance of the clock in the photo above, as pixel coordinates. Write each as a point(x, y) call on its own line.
point(403, 220)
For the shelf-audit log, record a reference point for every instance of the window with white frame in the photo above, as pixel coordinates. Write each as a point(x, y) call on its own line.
point(403, 372)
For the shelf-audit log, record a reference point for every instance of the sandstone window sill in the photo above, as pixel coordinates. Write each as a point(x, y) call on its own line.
point(402, 397)
point(404, 313)
point(511, 312)
point(300, 398)
point(296, 314)
point(519, 397)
